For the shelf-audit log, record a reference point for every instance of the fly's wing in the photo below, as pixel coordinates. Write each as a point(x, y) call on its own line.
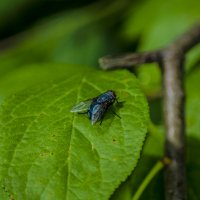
point(97, 113)
point(82, 106)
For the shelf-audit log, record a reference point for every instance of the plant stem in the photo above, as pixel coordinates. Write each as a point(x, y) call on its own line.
point(174, 103)
point(156, 168)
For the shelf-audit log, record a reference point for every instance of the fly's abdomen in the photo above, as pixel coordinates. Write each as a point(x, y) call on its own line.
point(96, 112)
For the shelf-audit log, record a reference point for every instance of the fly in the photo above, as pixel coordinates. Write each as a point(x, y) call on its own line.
point(96, 107)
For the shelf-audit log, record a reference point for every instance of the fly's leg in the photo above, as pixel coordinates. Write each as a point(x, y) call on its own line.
point(101, 121)
point(115, 113)
point(117, 99)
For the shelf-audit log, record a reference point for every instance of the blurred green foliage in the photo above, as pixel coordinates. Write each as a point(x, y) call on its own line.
point(38, 41)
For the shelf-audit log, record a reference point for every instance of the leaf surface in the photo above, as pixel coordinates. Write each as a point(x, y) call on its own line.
point(151, 153)
point(49, 153)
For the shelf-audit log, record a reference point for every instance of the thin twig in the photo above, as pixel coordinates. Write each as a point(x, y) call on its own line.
point(152, 173)
point(171, 60)
point(128, 60)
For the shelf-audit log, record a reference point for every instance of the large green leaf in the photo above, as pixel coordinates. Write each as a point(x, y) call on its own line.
point(49, 153)
point(27, 76)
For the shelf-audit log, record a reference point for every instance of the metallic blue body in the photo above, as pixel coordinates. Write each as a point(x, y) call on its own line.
point(106, 97)
point(96, 112)
point(100, 105)
point(96, 107)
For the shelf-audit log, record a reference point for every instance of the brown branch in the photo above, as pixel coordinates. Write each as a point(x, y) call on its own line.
point(175, 181)
point(171, 59)
point(128, 60)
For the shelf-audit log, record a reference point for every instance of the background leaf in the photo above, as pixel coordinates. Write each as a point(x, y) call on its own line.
point(49, 153)
point(76, 37)
point(155, 24)
point(193, 140)
point(155, 20)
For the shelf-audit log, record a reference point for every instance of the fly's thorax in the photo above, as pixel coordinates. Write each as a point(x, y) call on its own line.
point(112, 93)
point(107, 97)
